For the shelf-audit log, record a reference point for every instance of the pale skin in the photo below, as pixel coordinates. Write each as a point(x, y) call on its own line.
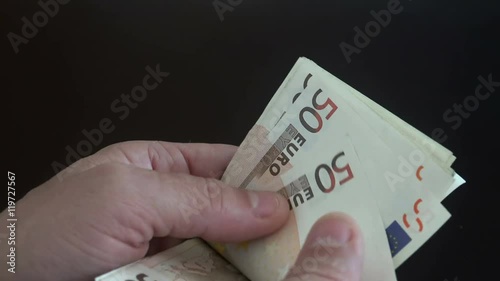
point(135, 198)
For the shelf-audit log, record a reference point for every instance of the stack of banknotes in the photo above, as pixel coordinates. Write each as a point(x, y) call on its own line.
point(325, 147)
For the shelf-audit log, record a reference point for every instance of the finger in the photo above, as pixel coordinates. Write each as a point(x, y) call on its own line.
point(333, 251)
point(207, 160)
point(188, 206)
point(200, 159)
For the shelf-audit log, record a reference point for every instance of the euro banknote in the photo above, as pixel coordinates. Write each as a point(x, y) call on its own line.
point(251, 149)
point(271, 257)
point(325, 147)
point(193, 260)
point(318, 118)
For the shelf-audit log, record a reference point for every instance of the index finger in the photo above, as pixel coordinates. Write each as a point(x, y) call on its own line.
point(198, 159)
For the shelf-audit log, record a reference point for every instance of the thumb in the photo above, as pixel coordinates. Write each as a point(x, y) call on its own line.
point(190, 206)
point(333, 251)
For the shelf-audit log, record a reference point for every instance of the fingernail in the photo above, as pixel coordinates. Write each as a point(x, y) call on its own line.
point(264, 204)
point(339, 229)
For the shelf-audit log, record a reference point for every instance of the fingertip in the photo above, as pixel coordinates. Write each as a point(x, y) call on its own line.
point(282, 211)
point(340, 226)
point(236, 215)
point(335, 244)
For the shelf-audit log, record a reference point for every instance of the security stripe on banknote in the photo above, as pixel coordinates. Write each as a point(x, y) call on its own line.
point(294, 190)
point(273, 152)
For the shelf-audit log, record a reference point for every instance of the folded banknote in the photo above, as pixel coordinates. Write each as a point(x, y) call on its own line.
point(325, 147)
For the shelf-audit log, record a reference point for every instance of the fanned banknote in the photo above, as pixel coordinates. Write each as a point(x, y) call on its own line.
point(193, 260)
point(325, 147)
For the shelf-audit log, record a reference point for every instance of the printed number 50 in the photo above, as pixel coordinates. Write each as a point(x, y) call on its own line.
point(335, 168)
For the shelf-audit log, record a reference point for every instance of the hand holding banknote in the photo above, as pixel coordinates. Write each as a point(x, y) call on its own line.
point(325, 147)
point(137, 198)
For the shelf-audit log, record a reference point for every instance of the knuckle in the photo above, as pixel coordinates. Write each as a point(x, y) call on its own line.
point(114, 177)
point(207, 194)
point(214, 195)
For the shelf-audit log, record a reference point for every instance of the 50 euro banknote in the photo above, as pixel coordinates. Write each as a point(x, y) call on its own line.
point(192, 260)
point(317, 122)
point(299, 80)
point(271, 257)
point(326, 147)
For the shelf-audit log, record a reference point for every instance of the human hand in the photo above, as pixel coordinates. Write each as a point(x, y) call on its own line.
point(133, 199)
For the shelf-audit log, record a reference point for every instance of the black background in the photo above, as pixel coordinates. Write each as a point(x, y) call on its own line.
point(223, 73)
